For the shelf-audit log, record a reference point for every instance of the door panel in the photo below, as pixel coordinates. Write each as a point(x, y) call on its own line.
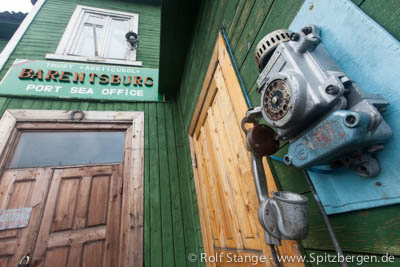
point(228, 203)
point(20, 189)
point(81, 220)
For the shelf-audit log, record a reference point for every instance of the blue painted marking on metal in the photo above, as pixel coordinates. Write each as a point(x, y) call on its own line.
point(370, 56)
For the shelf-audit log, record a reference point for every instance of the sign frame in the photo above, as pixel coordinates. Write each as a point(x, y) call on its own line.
point(80, 81)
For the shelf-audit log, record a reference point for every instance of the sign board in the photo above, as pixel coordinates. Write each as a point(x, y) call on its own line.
point(51, 79)
point(14, 218)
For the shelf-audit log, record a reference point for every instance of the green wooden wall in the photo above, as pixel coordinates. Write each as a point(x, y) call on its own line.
point(3, 43)
point(46, 30)
point(171, 220)
point(372, 231)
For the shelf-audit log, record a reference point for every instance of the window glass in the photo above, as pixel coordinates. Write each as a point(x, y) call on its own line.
point(44, 149)
point(116, 45)
point(91, 36)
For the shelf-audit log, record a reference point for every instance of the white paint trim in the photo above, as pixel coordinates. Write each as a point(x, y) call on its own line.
point(65, 115)
point(94, 60)
point(12, 44)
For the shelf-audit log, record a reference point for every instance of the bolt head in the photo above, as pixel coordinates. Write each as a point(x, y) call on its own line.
point(332, 90)
point(294, 36)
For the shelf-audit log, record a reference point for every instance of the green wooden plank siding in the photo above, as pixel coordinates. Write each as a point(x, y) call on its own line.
point(386, 13)
point(373, 231)
point(171, 221)
point(46, 30)
point(3, 43)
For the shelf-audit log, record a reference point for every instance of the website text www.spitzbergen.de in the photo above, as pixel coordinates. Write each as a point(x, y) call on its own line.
point(314, 258)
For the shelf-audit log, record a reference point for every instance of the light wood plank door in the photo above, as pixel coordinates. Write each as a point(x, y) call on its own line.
point(81, 220)
point(224, 182)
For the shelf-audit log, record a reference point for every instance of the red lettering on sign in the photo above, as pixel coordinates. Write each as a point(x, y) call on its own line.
point(52, 75)
point(79, 76)
point(115, 79)
point(26, 74)
point(138, 81)
point(104, 79)
point(64, 77)
point(148, 81)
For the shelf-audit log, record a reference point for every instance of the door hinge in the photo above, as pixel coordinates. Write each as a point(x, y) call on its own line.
point(194, 161)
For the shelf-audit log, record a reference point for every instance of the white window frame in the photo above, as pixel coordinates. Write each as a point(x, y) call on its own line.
point(71, 34)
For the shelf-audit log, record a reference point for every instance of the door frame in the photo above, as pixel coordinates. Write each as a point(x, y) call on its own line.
point(133, 170)
point(221, 57)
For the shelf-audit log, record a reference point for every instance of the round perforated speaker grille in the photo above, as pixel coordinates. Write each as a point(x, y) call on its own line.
point(268, 44)
point(276, 99)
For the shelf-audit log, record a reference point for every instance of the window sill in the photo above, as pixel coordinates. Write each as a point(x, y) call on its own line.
point(94, 60)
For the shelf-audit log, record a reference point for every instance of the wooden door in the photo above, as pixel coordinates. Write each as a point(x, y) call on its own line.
point(224, 182)
point(20, 189)
point(86, 213)
point(75, 219)
point(81, 220)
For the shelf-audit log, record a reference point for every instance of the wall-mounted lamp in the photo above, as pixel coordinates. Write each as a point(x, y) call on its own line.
point(132, 39)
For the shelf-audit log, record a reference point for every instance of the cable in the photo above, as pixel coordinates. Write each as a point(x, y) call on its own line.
point(236, 67)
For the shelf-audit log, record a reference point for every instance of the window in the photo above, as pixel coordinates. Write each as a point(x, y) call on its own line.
point(41, 149)
point(98, 35)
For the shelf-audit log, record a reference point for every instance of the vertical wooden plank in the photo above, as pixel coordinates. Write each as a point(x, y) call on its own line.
point(83, 202)
point(205, 232)
point(207, 222)
point(147, 223)
point(177, 221)
point(75, 255)
point(113, 185)
point(155, 212)
point(92, 254)
point(225, 213)
point(385, 13)
point(165, 193)
point(126, 191)
point(98, 200)
point(92, 106)
point(56, 105)
point(66, 202)
point(185, 179)
point(241, 23)
point(137, 190)
point(209, 192)
point(56, 257)
point(44, 231)
point(255, 19)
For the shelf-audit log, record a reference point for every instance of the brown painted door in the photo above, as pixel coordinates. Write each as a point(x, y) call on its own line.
point(75, 219)
point(224, 183)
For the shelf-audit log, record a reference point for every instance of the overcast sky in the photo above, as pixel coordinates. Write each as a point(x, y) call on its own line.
point(15, 5)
